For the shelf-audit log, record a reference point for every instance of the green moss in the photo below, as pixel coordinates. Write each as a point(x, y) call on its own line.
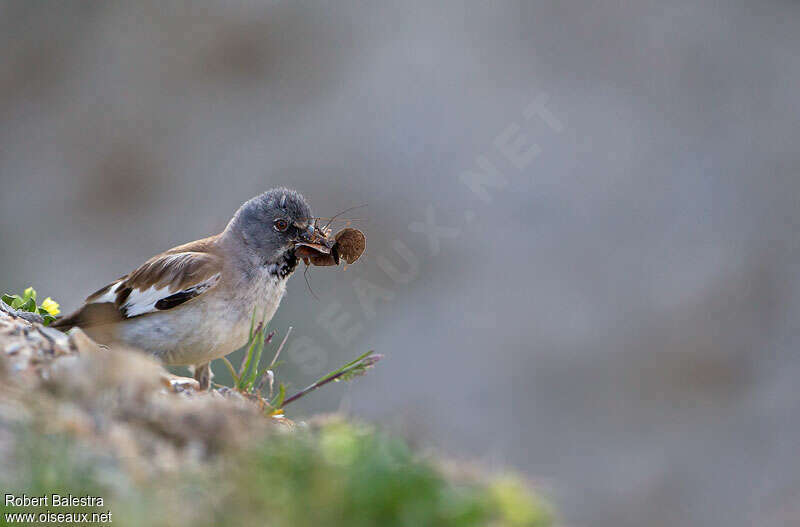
point(351, 475)
point(336, 474)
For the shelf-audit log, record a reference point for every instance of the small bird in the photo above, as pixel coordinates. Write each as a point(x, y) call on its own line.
point(195, 303)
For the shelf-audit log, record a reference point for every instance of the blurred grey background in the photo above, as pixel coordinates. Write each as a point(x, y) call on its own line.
point(619, 320)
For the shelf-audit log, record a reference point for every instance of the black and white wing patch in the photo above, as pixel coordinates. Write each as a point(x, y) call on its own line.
point(164, 282)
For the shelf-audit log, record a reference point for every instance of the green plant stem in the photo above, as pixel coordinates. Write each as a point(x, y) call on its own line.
point(277, 353)
point(312, 387)
point(347, 368)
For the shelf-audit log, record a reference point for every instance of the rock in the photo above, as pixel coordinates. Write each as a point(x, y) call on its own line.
point(80, 342)
point(115, 400)
point(24, 315)
point(57, 337)
point(27, 348)
point(176, 383)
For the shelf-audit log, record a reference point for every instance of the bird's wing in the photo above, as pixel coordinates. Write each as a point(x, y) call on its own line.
point(163, 282)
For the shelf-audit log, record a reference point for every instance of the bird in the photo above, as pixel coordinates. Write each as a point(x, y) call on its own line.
point(196, 302)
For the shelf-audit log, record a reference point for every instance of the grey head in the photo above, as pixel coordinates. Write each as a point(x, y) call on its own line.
point(264, 230)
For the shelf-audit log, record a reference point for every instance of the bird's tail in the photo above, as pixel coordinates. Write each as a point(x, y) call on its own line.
point(89, 315)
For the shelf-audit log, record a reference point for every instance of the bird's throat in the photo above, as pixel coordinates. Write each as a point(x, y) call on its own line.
point(285, 265)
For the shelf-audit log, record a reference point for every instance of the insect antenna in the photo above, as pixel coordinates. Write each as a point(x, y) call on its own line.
point(343, 212)
point(308, 284)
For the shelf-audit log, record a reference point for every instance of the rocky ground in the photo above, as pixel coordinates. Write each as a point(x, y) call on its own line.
point(77, 418)
point(121, 402)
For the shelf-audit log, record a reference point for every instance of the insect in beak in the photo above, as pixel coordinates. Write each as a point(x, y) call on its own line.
point(348, 244)
point(313, 245)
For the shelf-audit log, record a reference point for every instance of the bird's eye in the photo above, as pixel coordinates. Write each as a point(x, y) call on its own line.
point(281, 225)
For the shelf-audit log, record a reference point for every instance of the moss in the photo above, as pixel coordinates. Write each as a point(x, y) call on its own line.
point(335, 474)
point(103, 424)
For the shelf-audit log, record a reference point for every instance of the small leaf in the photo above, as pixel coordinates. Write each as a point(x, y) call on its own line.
point(29, 293)
point(345, 367)
point(17, 303)
point(252, 324)
point(277, 402)
point(8, 299)
point(245, 371)
point(29, 306)
point(251, 379)
point(359, 369)
point(48, 319)
point(230, 369)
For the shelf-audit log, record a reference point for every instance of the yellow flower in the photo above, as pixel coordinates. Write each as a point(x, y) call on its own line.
point(51, 306)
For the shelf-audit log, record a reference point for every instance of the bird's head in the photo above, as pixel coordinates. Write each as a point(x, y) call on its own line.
point(271, 224)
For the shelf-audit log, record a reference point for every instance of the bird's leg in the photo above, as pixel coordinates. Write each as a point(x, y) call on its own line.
point(203, 375)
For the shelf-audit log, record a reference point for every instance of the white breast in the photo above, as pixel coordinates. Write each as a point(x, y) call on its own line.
point(211, 326)
point(262, 299)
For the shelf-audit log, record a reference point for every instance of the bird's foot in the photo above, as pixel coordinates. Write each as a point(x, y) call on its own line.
point(203, 375)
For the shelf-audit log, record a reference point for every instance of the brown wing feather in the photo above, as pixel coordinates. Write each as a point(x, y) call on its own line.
point(163, 282)
point(177, 271)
